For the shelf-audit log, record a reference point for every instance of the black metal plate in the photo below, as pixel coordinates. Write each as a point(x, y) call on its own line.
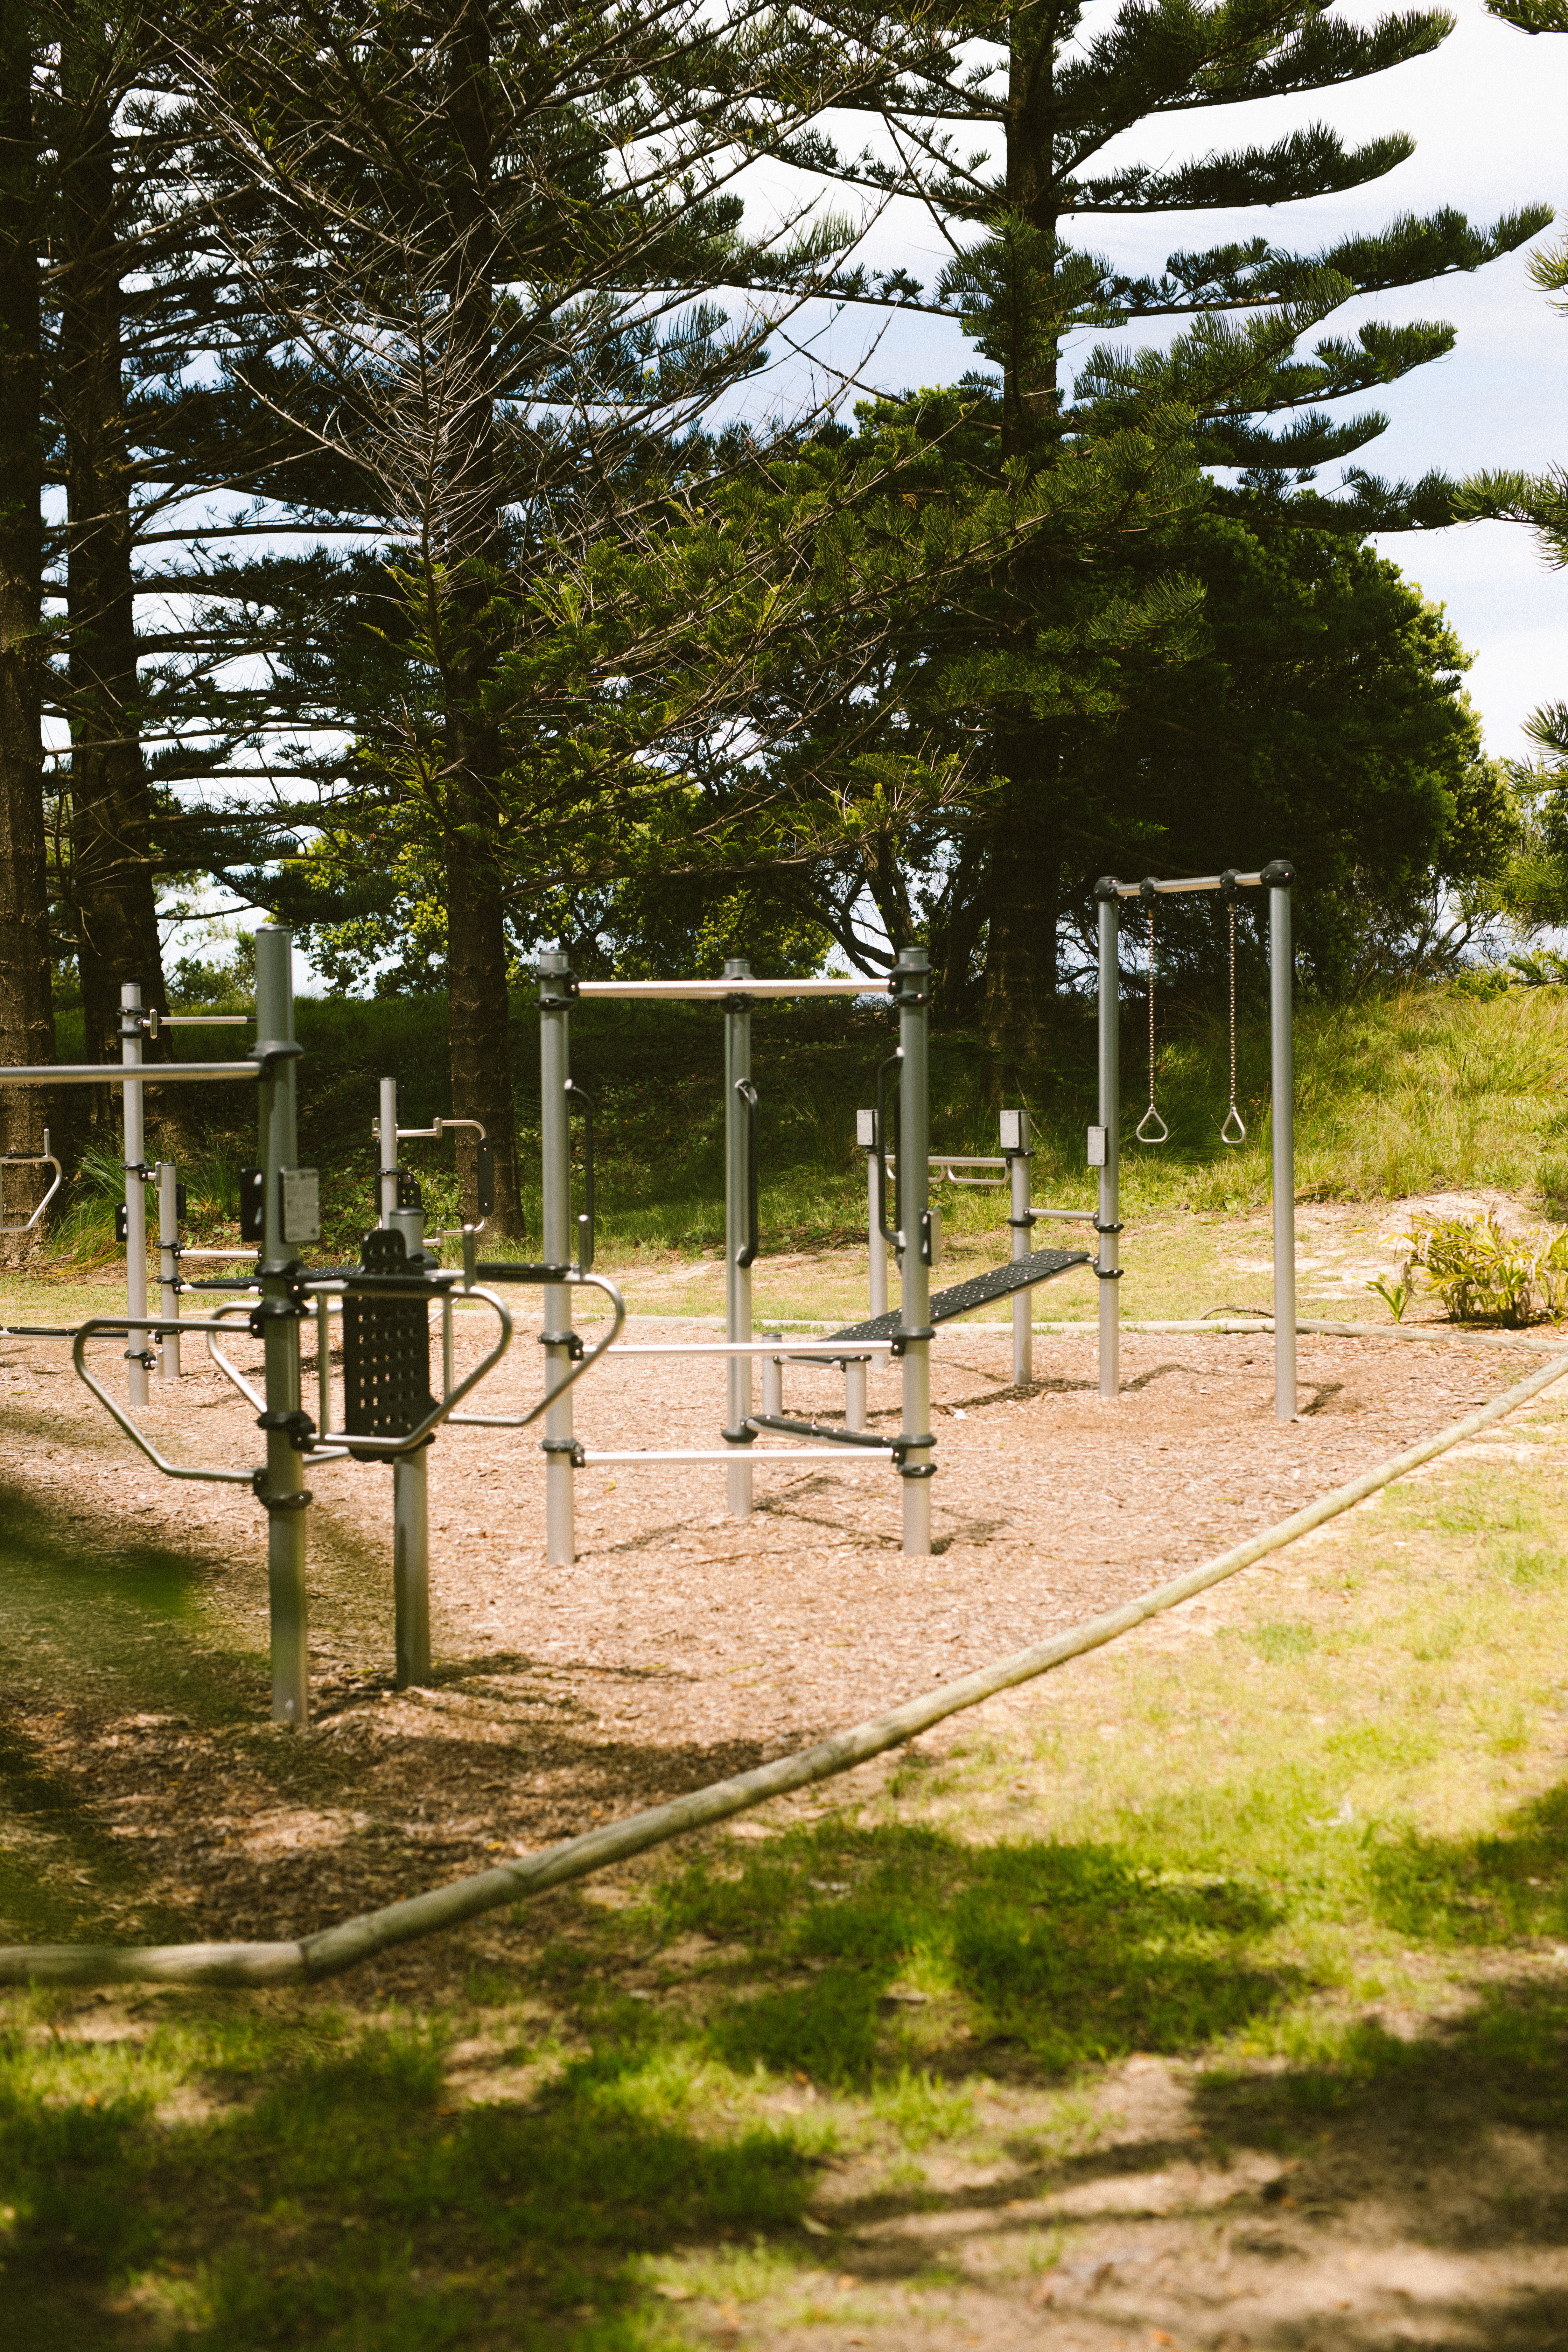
point(386, 1345)
point(1040, 1265)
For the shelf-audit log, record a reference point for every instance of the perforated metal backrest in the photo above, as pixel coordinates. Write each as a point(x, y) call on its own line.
point(386, 1343)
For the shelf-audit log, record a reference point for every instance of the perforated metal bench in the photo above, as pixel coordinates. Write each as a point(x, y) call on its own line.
point(979, 1290)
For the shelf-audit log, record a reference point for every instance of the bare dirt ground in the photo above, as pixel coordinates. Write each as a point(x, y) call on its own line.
point(681, 1646)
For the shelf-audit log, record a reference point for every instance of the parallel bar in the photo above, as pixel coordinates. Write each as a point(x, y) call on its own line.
point(771, 1457)
point(1068, 1216)
point(792, 1348)
point(738, 1179)
point(104, 1073)
point(135, 1187)
point(719, 988)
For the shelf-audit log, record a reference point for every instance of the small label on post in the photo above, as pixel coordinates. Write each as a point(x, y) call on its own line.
point(300, 1189)
point(1097, 1142)
point(1015, 1130)
point(866, 1129)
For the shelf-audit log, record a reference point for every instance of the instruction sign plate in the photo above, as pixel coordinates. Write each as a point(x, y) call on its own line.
point(1096, 1146)
point(301, 1204)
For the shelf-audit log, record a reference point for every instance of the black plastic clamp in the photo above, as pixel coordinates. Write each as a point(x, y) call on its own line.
point(298, 1427)
point(568, 983)
point(291, 1310)
point(742, 1435)
point(900, 1339)
point(1106, 1273)
point(1278, 874)
point(299, 1500)
point(571, 1340)
point(147, 1356)
point(736, 1001)
point(915, 1469)
point(569, 1445)
point(269, 1051)
point(1025, 1221)
point(1227, 884)
point(1106, 1229)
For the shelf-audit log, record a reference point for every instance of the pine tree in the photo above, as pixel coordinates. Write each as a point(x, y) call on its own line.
point(1047, 88)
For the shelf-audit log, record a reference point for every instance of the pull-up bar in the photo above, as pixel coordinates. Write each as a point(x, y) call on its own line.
point(1195, 882)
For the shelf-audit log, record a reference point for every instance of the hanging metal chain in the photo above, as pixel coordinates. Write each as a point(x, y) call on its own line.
point(1152, 1127)
point(1234, 1127)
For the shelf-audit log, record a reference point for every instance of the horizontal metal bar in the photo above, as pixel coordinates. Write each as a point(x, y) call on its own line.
point(204, 1019)
point(54, 1331)
point(753, 1456)
point(241, 1249)
point(711, 988)
point(779, 1346)
point(1068, 1216)
point(121, 1074)
point(950, 1159)
point(1195, 882)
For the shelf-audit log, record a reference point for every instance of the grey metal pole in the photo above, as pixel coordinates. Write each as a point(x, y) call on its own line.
point(555, 1154)
point(136, 1347)
point(738, 1175)
point(1281, 978)
point(911, 994)
point(866, 1127)
point(855, 1394)
point(284, 1491)
point(386, 1174)
point(1016, 1142)
point(1108, 1264)
point(411, 1565)
point(169, 1268)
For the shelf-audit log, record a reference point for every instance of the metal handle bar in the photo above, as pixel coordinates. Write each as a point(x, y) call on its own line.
point(894, 1240)
point(748, 1256)
point(118, 1325)
point(438, 1129)
point(389, 1447)
point(1197, 882)
point(156, 1019)
point(576, 1280)
point(44, 1159)
point(574, 1092)
point(231, 1372)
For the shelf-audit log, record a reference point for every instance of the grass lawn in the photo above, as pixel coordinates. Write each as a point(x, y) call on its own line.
point(1215, 1992)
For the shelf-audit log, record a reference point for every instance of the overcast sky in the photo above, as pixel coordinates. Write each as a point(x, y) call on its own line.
point(1487, 112)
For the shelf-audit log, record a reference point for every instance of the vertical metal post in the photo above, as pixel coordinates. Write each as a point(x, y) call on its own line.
point(411, 1565)
point(1281, 976)
point(911, 993)
point(1016, 1143)
point(169, 1268)
point(555, 1152)
point(1108, 1263)
point(738, 1176)
point(855, 1394)
point(136, 1342)
point(773, 1376)
point(866, 1126)
point(386, 1172)
point(283, 1491)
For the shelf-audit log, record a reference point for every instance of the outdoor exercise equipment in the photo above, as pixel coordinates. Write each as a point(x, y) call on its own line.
point(388, 1411)
point(44, 1159)
point(1016, 1161)
point(908, 1336)
point(1104, 1138)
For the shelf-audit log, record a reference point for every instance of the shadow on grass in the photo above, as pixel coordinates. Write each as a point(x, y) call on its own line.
point(323, 2185)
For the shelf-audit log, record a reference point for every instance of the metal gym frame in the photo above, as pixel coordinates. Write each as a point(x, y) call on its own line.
point(1016, 1160)
point(735, 994)
point(388, 1413)
point(1104, 1139)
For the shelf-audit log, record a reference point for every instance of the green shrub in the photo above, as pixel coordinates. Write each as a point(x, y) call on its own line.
point(1483, 1276)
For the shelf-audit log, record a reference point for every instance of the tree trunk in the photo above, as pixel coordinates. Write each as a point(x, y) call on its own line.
point(27, 1012)
point(1024, 892)
point(111, 872)
point(481, 1015)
